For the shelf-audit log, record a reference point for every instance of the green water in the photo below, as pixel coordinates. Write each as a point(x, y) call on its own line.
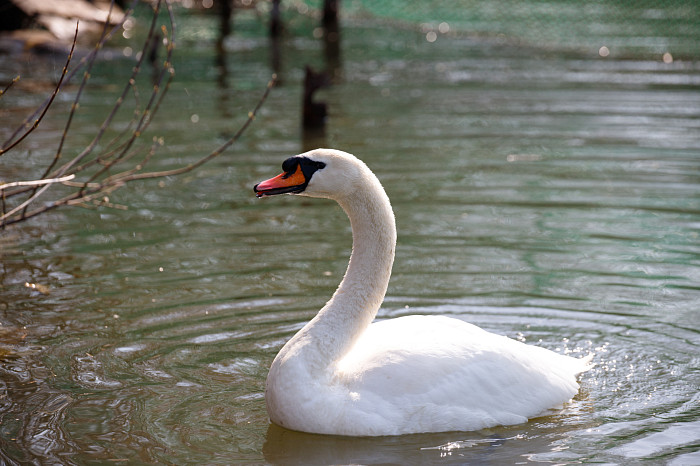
point(549, 196)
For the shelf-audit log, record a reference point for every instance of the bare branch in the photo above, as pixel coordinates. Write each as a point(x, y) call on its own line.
point(14, 80)
point(122, 154)
point(86, 76)
point(36, 182)
point(6, 147)
point(85, 59)
point(156, 96)
point(216, 152)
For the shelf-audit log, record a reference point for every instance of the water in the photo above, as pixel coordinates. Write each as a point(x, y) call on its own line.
point(551, 197)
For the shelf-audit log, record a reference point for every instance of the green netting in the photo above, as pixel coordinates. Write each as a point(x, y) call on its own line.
point(633, 28)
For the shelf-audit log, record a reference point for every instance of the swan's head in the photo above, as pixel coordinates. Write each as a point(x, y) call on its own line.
point(325, 173)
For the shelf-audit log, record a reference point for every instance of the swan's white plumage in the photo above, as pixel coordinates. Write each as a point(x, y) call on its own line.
point(342, 374)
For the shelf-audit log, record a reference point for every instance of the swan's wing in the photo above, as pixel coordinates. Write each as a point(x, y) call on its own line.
point(443, 368)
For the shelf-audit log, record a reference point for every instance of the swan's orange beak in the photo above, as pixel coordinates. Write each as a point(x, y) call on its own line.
point(282, 184)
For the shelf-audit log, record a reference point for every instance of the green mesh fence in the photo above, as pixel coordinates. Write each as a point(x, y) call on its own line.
point(623, 28)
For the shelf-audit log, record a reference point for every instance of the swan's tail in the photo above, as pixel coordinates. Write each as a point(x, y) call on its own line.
point(585, 363)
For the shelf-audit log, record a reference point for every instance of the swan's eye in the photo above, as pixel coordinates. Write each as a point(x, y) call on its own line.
point(317, 165)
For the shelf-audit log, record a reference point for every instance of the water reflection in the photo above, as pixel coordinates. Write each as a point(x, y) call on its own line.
point(494, 446)
point(331, 37)
point(225, 13)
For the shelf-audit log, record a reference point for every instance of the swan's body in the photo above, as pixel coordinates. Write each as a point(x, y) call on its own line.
point(342, 374)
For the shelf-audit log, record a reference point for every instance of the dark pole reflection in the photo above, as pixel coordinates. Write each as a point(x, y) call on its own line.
point(225, 12)
point(276, 28)
point(331, 37)
point(314, 113)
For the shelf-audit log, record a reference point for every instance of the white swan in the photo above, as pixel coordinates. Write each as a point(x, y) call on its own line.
point(342, 374)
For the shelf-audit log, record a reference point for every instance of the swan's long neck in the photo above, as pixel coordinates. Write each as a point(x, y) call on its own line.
point(355, 303)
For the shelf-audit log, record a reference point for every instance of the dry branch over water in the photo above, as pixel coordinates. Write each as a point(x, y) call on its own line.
point(89, 177)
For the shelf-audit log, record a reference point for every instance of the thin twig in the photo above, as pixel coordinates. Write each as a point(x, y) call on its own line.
point(14, 80)
point(74, 107)
point(146, 115)
point(36, 182)
point(92, 191)
point(112, 114)
point(89, 56)
point(216, 152)
point(34, 126)
point(74, 164)
point(117, 181)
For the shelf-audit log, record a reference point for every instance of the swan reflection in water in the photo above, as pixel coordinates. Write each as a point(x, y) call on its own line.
point(501, 445)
